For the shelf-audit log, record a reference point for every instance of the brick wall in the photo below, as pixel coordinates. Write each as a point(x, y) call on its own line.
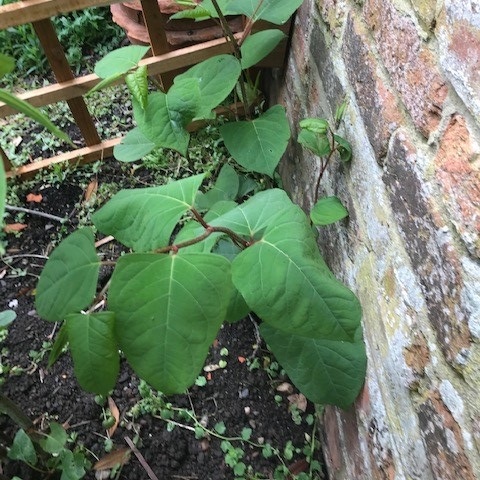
point(410, 248)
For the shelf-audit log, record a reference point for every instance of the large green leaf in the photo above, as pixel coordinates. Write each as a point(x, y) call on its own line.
point(35, 114)
point(274, 11)
point(328, 210)
point(120, 61)
point(325, 371)
point(94, 350)
point(225, 188)
point(144, 218)
point(168, 310)
point(22, 448)
point(259, 45)
point(258, 145)
point(215, 78)
point(69, 279)
point(133, 146)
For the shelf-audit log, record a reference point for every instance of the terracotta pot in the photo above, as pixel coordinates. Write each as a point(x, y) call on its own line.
point(179, 33)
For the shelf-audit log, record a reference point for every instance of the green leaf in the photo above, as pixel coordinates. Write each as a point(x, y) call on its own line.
point(72, 465)
point(7, 64)
point(220, 428)
point(137, 83)
point(325, 371)
point(120, 61)
point(258, 145)
point(6, 318)
point(215, 78)
point(22, 448)
point(144, 218)
point(315, 125)
point(225, 188)
point(199, 13)
point(94, 350)
point(69, 279)
point(246, 433)
point(55, 441)
point(259, 45)
point(106, 82)
point(3, 191)
point(168, 311)
point(328, 210)
point(319, 144)
point(344, 148)
point(35, 114)
point(133, 146)
point(58, 346)
point(274, 11)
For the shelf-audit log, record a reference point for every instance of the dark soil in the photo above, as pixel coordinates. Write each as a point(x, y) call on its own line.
point(236, 395)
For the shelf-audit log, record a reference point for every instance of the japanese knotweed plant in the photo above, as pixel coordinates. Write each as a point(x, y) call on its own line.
point(198, 259)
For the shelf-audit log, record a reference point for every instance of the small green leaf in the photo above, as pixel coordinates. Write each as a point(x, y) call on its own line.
point(6, 318)
point(315, 125)
point(220, 428)
point(328, 210)
point(69, 279)
point(106, 82)
point(58, 346)
point(137, 83)
point(72, 465)
point(225, 188)
point(258, 145)
point(145, 218)
point(198, 13)
point(246, 433)
point(55, 441)
point(120, 61)
point(22, 448)
point(318, 143)
point(35, 114)
point(344, 148)
point(340, 111)
point(259, 45)
point(133, 146)
point(3, 191)
point(94, 350)
point(7, 64)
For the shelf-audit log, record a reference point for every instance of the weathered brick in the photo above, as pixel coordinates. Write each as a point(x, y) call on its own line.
point(459, 45)
point(444, 441)
point(460, 181)
point(377, 104)
point(432, 257)
point(411, 65)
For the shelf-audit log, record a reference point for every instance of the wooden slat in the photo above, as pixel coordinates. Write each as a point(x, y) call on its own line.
point(80, 156)
point(20, 13)
point(59, 63)
point(156, 65)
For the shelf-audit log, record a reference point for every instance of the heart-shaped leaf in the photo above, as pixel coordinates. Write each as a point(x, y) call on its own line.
point(259, 45)
point(120, 60)
point(258, 145)
point(328, 210)
point(168, 311)
point(94, 350)
point(144, 218)
point(69, 279)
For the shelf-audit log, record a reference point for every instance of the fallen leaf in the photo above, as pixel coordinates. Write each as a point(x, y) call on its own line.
point(14, 227)
point(112, 459)
point(299, 400)
point(298, 467)
point(91, 190)
point(242, 359)
point(285, 387)
point(34, 197)
point(116, 415)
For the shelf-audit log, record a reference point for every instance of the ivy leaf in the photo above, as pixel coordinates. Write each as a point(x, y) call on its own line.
point(55, 441)
point(120, 61)
point(325, 371)
point(69, 279)
point(258, 145)
point(168, 311)
point(137, 83)
point(328, 210)
point(22, 448)
point(94, 350)
point(133, 146)
point(144, 218)
point(259, 45)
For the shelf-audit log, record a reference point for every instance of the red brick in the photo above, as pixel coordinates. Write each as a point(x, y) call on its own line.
point(460, 181)
point(411, 65)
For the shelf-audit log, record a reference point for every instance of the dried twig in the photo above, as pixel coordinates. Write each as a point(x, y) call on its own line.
point(35, 212)
point(141, 459)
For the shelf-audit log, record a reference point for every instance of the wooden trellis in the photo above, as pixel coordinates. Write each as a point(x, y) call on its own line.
point(164, 61)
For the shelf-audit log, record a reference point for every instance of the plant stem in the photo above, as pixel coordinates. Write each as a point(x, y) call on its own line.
point(236, 51)
point(324, 166)
point(35, 212)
